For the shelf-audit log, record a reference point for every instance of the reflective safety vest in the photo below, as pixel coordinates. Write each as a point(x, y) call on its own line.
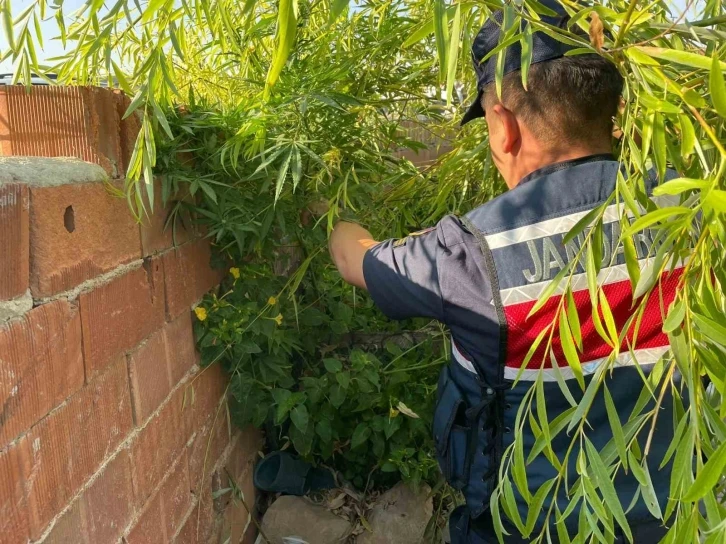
point(521, 236)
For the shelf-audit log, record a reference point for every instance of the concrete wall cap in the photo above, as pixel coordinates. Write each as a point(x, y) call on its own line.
point(49, 172)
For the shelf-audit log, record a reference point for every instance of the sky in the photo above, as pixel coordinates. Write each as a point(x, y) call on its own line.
point(53, 47)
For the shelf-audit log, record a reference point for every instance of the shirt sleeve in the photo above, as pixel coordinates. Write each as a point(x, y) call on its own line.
point(402, 275)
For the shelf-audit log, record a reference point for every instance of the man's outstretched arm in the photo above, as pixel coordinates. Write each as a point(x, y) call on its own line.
point(348, 245)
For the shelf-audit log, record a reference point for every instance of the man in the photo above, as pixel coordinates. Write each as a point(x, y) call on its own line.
point(482, 274)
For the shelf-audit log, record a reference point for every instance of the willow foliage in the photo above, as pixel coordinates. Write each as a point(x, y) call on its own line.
point(246, 57)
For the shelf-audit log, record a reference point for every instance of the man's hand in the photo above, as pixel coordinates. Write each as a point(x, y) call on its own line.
point(348, 244)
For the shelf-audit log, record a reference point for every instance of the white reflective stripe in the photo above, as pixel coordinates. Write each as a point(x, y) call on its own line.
point(643, 357)
point(459, 358)
point(606, 276)
point(563, 224)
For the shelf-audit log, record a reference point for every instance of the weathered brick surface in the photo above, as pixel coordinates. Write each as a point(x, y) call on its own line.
point(69, 445)
point(14, 472)
point(181, 347)
point(158, 445)
point(118, 315)
point(208, 445)
point(46, 121)
point(102, 511)
point(129, 129)
point(188, 275)
point(40, 365)
point(164, 512)
point(14, 259)
point(161, 229)
point(77, 232)
point(240, 465)
point(149, 376)
point(202, 524)
point(209, 385)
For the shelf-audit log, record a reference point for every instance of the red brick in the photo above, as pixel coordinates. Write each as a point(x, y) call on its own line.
point(160, 228)
point(14, 472)
point(118, 315)
point(102, 511)
point(188, 276)
point(51, 121)
point(201, 524)
point(208, 445)
point(209, 385)
point(181, 346)
point(69, 445)
point(129, 129)
point(244, 455)
point(165, 512)
point(14, 241)
point(149, 376)
point(40, 365)
point(77, 232)
point(236, 520)
point(158, 445)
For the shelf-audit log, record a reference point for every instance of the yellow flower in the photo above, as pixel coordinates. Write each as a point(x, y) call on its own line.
point(201, 313)
point(278, 319)
point(392, 412)
point(235, 272)
point(272, 301)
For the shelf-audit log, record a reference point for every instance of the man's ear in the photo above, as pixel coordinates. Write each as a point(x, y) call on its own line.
point(510, 133)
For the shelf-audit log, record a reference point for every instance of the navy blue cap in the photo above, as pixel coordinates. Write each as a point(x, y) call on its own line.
point(544, 47)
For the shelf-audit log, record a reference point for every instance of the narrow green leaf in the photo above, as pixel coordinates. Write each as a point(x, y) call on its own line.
point(420, 33)
point(568, 347)
point(296, 168)
point(511, 506)
point(573, 319)
point(717, 85)
point(336, 8)
point(656, 216)
point(152, 7)
point(161, 118)
point(609, 320)
point(684, 58)
point(616, 427)
point(607, 488)
point(688, 136)
point(675, 317)
point(631, 259)
point(659, 145)
point(680, 185)
point(282, 174)
point(548, 291)
point(710, 328)
point(287, 14)
point(7, 16)
point(591, 270)
point(709, 476)
point(527, 47)
point(675, 441)
point(453, 53)
point(642, 474)
point(535, 506)
point(441, 31)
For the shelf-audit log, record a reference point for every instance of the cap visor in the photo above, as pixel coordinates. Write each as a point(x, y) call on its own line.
point(475, 110)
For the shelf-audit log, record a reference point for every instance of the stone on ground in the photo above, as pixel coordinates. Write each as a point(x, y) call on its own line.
point(399, 516)
point(298, 517)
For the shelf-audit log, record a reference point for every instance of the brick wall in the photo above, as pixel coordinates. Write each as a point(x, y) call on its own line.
point(109, 430)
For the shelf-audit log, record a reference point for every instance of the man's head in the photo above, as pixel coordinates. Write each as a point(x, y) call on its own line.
point(567, 111)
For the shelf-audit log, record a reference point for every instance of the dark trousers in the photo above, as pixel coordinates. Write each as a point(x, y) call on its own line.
point(481, 531)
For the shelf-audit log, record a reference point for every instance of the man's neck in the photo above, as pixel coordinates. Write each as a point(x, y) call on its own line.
point(547, 158)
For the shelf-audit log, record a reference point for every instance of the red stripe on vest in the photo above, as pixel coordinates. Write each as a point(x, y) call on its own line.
point(523, 332)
